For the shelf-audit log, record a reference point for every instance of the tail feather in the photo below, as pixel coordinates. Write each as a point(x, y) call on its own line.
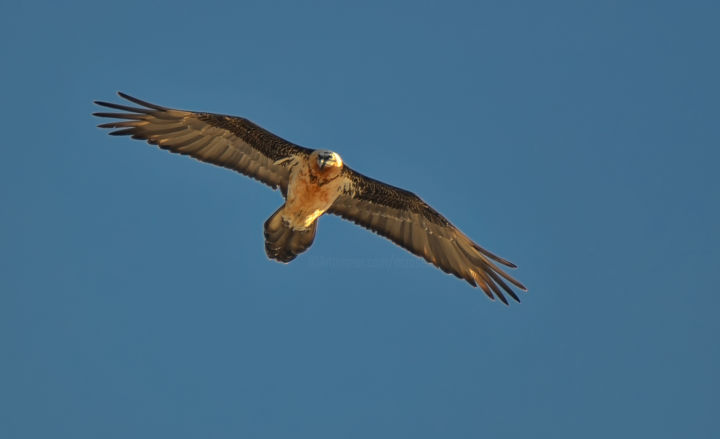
point(282, 242)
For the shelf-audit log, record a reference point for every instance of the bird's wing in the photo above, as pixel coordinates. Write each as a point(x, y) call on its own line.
point(232, 142)
point(409, 222)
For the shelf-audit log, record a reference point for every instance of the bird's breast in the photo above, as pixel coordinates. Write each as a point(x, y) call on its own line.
point(308, 197)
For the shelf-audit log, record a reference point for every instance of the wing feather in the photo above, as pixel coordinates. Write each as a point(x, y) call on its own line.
point(408, 221)
point(232, 142)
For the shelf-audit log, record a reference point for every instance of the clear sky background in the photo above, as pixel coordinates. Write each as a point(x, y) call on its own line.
point(579, 139)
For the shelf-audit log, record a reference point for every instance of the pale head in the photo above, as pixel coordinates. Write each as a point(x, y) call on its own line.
point(326, 160)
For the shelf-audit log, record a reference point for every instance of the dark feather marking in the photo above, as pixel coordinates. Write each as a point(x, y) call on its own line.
point(509, 278)
point(377, 192)
point(130, 123)
point(272, 146)
point(140, 102)
point(504, 286)
point(484, 274)
point(484, 286)
point(123, 107)
point(120, 115)
point(494, 256)
point(123, 132)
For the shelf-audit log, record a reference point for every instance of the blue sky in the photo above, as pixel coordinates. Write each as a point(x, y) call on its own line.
point(578, 139)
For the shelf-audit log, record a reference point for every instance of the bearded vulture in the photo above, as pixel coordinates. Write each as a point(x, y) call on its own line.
point(313, 182)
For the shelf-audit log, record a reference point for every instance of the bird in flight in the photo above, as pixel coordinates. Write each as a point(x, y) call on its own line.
point(313, 182)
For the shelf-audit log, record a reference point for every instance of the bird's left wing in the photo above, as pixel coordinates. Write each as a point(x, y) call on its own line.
point(232, 142)
point(408, 221)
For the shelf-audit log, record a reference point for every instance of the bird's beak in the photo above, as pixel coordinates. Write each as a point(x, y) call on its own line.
point(323, 162)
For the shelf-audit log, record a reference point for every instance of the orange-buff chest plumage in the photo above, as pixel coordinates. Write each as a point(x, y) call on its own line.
point(311, 192)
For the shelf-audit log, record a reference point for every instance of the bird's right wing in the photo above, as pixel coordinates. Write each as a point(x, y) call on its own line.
point(232, 142)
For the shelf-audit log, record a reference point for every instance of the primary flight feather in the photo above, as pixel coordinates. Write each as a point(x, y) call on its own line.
point(313, 182)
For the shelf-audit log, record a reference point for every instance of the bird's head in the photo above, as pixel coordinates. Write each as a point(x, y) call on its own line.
point(326, 160)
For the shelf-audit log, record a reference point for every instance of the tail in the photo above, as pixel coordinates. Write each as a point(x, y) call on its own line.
point(282, 243)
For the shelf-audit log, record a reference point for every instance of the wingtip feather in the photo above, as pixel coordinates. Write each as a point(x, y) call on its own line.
point(503, 299)
point(140, 102)
point(122, 132)
point(103, 103)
